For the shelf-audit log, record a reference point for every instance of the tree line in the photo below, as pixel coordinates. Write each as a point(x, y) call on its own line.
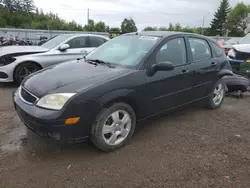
point(227, 21)
point(24, 14)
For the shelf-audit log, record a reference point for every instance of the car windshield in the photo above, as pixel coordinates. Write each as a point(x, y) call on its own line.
point(52, 43)
point(232, 41)
point(245, 40)
point(125, 50)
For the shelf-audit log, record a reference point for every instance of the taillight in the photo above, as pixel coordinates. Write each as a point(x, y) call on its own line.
point(219, 45)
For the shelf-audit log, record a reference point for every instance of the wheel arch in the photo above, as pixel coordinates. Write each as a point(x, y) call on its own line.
point(19, 64)
point(224, 72)
point(123, 95)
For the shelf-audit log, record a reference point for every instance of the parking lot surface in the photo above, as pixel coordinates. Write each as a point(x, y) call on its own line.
point(192, 148)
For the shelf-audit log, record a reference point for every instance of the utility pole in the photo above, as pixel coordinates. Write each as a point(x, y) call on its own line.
point(88, 17)
point(203, 23)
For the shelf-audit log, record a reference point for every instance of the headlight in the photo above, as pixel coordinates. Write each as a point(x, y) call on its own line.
point(54, 101)
point(5, 60)
point(231, 53)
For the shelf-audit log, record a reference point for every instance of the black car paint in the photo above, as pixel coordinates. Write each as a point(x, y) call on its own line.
point(98, 86)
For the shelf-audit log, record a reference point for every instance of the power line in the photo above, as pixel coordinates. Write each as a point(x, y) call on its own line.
point(152, 12)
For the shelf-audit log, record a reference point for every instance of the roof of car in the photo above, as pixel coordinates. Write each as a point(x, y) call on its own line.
point(83, 34)
point(164, 33)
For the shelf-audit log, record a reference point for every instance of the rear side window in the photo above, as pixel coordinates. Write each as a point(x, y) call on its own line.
point(217, 50)
point(200, 49)
point(96, 41)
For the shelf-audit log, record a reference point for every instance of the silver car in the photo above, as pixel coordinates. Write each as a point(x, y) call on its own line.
point(17, 62)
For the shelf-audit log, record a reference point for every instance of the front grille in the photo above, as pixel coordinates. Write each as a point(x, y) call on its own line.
point(27, 96)
point(242, 55)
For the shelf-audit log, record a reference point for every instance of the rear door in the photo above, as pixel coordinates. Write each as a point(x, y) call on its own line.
point(204, 67)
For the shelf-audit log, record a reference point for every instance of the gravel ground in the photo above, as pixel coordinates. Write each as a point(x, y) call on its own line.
point(192, 148)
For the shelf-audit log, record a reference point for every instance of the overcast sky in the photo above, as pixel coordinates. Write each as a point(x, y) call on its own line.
point(144, 12)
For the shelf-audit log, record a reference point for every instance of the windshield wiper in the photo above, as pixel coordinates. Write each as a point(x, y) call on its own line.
point(101, 62)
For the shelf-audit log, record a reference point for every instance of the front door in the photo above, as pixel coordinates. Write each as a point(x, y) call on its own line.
point(169, 89)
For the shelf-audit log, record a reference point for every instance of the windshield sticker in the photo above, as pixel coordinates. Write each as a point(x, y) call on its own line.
point(148, 38)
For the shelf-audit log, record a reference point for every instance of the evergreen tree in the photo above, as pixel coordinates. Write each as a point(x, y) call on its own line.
point(9, 5)
point(218, 24)
point(128, 25)
point(28, 5)
point(171, 27)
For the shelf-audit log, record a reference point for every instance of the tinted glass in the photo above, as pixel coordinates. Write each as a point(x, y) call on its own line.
point(52, 43)
point(173, 51)
point(232, 41)
point(79, 42)
point(200, 49)
point(217, 50)
point(125, 50)
point(96, 41)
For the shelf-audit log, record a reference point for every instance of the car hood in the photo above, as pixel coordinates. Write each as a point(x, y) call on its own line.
point(242, 47)
point(227, 46)
point(73, 76)
point(21, 50)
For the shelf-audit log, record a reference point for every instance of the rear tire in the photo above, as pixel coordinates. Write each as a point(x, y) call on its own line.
point(217, 96)
point(114, 127)
point(23, 70)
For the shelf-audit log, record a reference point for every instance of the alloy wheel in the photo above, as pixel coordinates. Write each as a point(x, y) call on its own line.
point(218, 94)
point(27, 70)
point(116, 127)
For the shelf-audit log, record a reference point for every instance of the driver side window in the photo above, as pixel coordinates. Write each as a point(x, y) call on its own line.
point(78, 42)
point(173, 51)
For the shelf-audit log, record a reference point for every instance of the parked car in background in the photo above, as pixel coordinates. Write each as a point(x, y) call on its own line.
point(17, 62)
point(130, 78)
point(227, 45)
point(239, 57)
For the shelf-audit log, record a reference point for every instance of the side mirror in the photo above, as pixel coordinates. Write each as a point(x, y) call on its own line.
point(161, 66)
point(63, 47)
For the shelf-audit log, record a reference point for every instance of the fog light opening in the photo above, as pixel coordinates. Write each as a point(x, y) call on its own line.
point(71, 121)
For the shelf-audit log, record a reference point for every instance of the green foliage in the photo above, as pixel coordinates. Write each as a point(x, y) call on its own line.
point(171, 27)
point(100, 27)
point(2, 22)
point(177, 27)
point(218, 24)
point(128, 25)
point(238, 20)
point(115, 30)
point(28, 5)
point(150, 29)
point(23, 14)
point(90, 26)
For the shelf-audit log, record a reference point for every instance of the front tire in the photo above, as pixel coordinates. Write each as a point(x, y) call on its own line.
point(24, 70)
point(217, 96)
point(113, 127)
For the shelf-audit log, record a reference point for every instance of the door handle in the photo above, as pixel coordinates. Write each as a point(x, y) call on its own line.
point(213, 64)
point(184, 71)
point(83, 51)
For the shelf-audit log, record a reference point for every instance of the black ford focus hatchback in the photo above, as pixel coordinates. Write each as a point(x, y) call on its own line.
point(128, 79)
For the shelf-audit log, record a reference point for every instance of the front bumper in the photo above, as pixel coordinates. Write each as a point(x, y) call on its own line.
point(49, 123)
point(6, 72)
